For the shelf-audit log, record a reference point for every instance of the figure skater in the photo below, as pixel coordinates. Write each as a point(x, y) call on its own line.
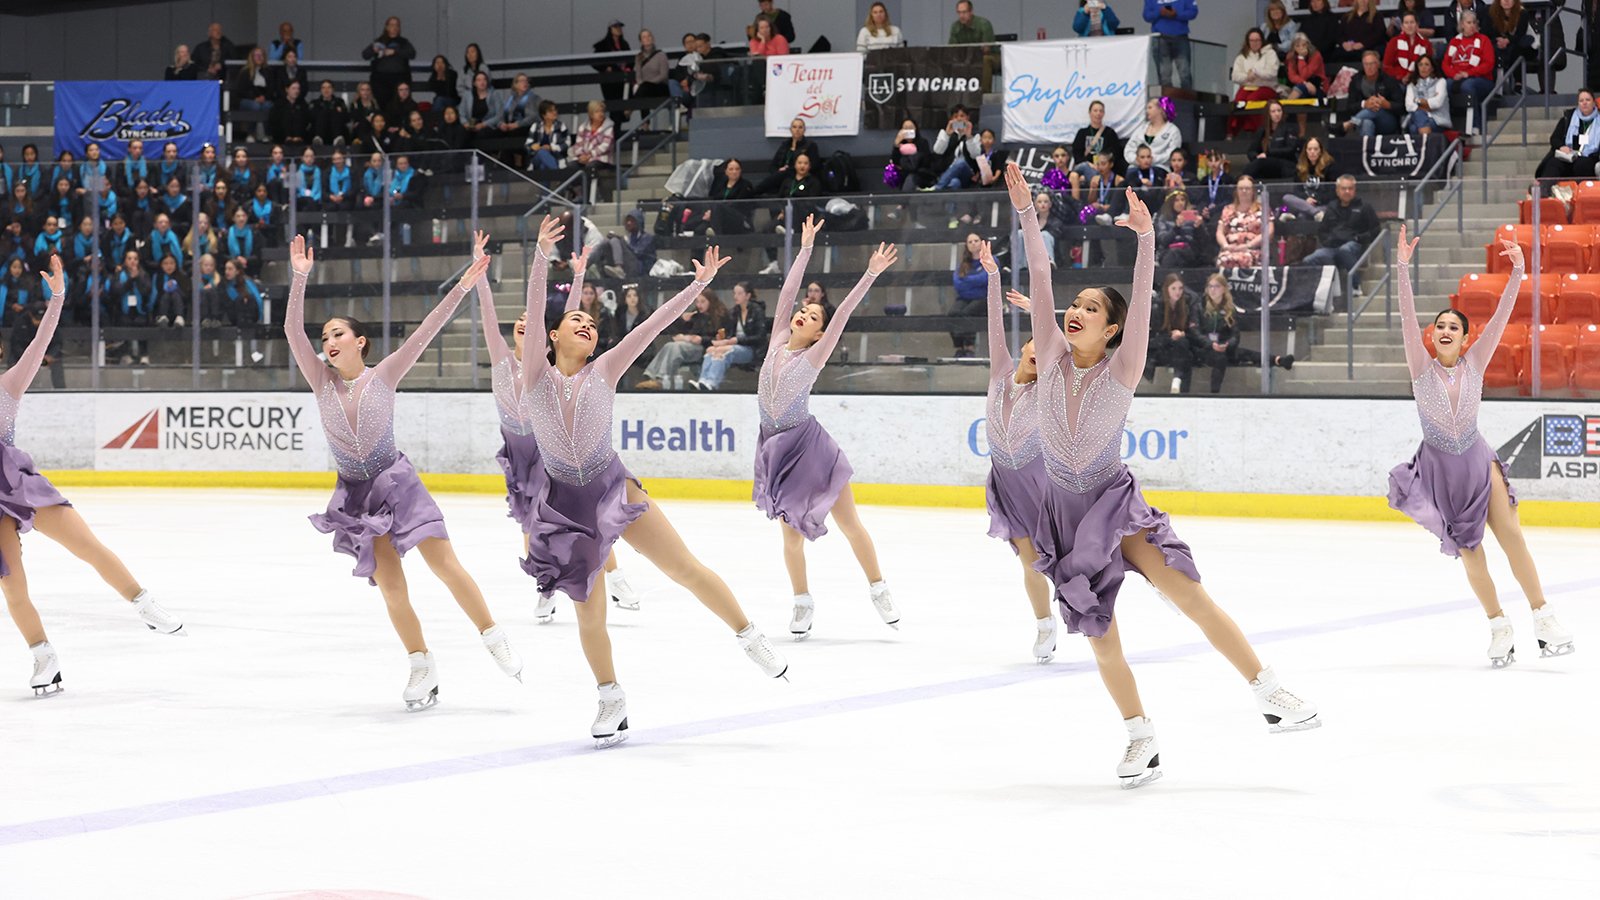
point(28, 500)
point(801, 474)
point(519, 455)
point(1455, 485)
point(379, 509)
point(1094, 524)
point(589, 499)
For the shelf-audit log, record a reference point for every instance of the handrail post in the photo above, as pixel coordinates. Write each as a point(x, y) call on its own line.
point(388, 173)
point(1538, 241)
point(194, 284)
point(1349, 329)
point(1266, 291)
point(474, 175)
point(94, 295)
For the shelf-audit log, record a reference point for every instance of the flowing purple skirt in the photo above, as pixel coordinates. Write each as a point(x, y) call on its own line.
point(1014, 497)
point(1079, 540)
point(1448, 494)
point(799, 476)
point(572, 528)
point(23, 491)
point(392, 503)
point(525, 476)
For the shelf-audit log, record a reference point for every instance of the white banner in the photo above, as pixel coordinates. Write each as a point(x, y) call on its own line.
point(823, 89)
point(1050, 84)
point(209, 432)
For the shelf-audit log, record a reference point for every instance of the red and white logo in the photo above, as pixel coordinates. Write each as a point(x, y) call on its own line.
point(145, 434)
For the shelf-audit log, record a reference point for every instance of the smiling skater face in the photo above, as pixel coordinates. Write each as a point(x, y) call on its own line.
point(519, 332)
point(1449, 336)
point(1093, 321)
point(808, 323)
point(345, 345)
point(577, 332)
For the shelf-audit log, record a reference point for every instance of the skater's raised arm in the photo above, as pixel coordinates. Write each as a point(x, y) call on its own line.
point(884, 257)
point(395, 366)
point(1127, 364)
point(17, 378)
point(534, 341)
point(1049, 343)
point(615, 362)
point(1488, 339)
point(487, 317)
point(580, 265)
point(1001, 365)
point(784, 314)
point(301, 258)
point(1416, 354)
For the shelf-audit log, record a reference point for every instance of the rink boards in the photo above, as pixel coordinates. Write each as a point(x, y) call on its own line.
point(1314, 458)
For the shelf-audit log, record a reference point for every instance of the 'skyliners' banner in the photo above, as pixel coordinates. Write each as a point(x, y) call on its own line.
point(823, 89)
point(112, 113)
point(1050, 84)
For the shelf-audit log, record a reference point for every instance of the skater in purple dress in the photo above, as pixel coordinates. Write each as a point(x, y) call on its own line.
point(1455, 485)
point(1016, 470)
point(519, 455)
point(802, 476)
point(589, 499)
point(380, 510)
point(28, 501)
point(1094, 523)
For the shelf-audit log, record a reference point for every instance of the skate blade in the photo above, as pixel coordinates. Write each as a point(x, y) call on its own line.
point(1307, 725)
point(427, 702)
point(1548, 650)
point(176, 632)
point(546, 620)
point(610, 740)
point(47, 690)
point(1129, 784)
point(1041, 660)
point(630, 605)
point(1501, 662)
point(800, 635)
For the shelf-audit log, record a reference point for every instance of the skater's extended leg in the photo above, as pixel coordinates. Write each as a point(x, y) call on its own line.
point(1508, 531)
point(794, 559)
point(611, 561)
point(845, 516)
point(441, 557)
point(654, 537)
point(391, 581)
point(1114, 671)
point(592, 633)
point(1476, 562)
point(15, 585)
point(66, 527)
point(1034, 582)
point(1192, 599)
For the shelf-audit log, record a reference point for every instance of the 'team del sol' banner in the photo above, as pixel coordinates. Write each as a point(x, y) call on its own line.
point(822, 89)
point(112, 113)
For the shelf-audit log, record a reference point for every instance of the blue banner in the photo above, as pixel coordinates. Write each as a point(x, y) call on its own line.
point(112, 113)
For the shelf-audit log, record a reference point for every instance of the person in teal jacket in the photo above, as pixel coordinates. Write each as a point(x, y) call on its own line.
point(1095, 18)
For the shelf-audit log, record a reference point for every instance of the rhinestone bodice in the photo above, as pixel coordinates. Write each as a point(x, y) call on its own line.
point(8, 418)
point(1082, 451)
point(506, 380)
point(358, 419)
point(1012, 423)
point(570, 417)
point(1450, 428)
point(784, 389)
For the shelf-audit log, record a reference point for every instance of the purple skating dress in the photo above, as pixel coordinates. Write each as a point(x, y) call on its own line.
point(22, 489)
point(378, 492)
point(1445, 486)
point(800, 470)
point(1016, 469)
point(581, 508)
point(1091, 501)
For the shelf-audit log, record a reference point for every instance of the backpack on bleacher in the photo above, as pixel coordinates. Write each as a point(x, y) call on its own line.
point(842, 215)
point(839, 174)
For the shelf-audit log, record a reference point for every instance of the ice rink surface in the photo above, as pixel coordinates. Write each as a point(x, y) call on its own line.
point(268, 754)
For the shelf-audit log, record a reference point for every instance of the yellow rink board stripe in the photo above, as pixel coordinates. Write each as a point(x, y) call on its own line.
point(1183, 503)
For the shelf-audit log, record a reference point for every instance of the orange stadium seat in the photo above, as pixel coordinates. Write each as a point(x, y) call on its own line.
point(1556, 346)
point(1586, 203)
point(1586, 360)
point(1551, 211)
point(1579, 302)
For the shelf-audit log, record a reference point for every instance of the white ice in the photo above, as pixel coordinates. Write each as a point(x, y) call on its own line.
point(268, 754)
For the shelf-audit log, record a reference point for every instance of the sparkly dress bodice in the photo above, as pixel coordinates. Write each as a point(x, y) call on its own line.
point(1081, 436)
point(784, 390)
point(358, 418)
point(1449, 423)
point(8, 418)
point(1011, 424)
point(505, 370)
point(570, 417)
point(505, 377)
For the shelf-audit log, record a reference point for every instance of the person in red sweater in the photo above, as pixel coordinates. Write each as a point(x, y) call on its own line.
point(1469, 64)
point(1400, 57)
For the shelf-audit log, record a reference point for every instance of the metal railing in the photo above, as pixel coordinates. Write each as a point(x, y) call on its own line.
point(1354, 312)
point(1551, 16)
point(1506, 78)
point(1455, 187)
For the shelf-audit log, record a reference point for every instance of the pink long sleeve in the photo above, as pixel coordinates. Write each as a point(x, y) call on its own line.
point(823, 348)
point(1127, 364)
point(1416, 354)
point(786, 297)
point(294, 329)
point(17, 378)
point(575, 294)
point(1049, 342)
point(534, 361)
point(492, 338)
point(1482, 350)
point(395, 366)
point(614, 362)
point(1001, 366)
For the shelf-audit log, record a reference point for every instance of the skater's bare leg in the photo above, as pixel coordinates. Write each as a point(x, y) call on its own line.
point(391, 581)
point(1037, 586)
point(1194, 602)
point(15, 585)
point(655, 538)
point(611, 561)
point(1114, 671)
point(794, 559)
point(440, 556)
point(1508, 531)
point(66, 527)
point(849, 522)
point(592, 633)
point(1476, 562)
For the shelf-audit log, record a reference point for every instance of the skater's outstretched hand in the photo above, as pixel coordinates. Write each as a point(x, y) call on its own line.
point(986, 259)
point(1511, 250)
point(1021, 194)
point(808, 231)
point(1138, 214)
point(885, 256)
point(480, 244)
point(1404, 248)
point(580, 263)
point(301, 257)
point(473, 273)
point(550, 234)
point(1020, 301)
point(707, 269)
point(56, 281)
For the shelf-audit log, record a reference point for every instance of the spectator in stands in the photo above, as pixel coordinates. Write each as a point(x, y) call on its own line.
point(1160, 135)
point(49, 241)
point(1404, 49)
point(972, 293)
point(175, 205)
point(133, 168)
point(391, 57)
point(216, 204)
point(451, 134)
point(1322, 28)
point(1509, 27)
point(291, 117)
point(1360, 31)
point(399, 109)
point(783, 159)
point(632, 311)
point(17, 288)
point(93, 167)
point(685, 80)
point(1095, 18)
point(1169, 28)
point(1239, 228)
point(472, 63)
point(1092, 140)
point(13, 243)
point(801, 189)
point(308, 196)
point(732, 215)
point(205, 171)
point(443, 83)
point(406, 184)
point(1348, 226)
point(1255, 72)
point(766, 42)
point(1469, 64)
point(1146, 177)
point(651, 68)
point(961, 146)
point(1169, 332)
point(182, 68)
point(1106, 196)
point(328, 115)
point(362, 109)
point(1574, 144)
point(203, 238)
point(206, 273)
point(988, 164)
point(280, 77)
point(378, 135)
point(1379, 99)
point(1215, 333)
point(342, 191)
point(548, 140)
point(1275, 148)
point(213, 54)
point(108, 201)
point(595, 145)
point(971, 29)
point(745, 345)
point(782, 23)
point(480, 105)
point(1180, 232)
point(1450, 20)
point(1179, 175)
point(171, 290)
point(1307, 75)
point(20, 209)
point(1395, 23)
point(251, 92)
point(163, 242)
point(877, 33)
point(1279, 29)
point(67, 167)
point(276, 177)
point(285, 43)
point(515, 113)
point(63, 202)
point(1315, 174)
point(911, 157)
point(687, 340)
point(264, 216)
point(141, 209)
point(28, 169)
point(1427, 99)
point(118, 239)
point(239, 300)
point(612, 88)
point(130, 291)
point(416, 135)
point(243, 243)
point(639, 243)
